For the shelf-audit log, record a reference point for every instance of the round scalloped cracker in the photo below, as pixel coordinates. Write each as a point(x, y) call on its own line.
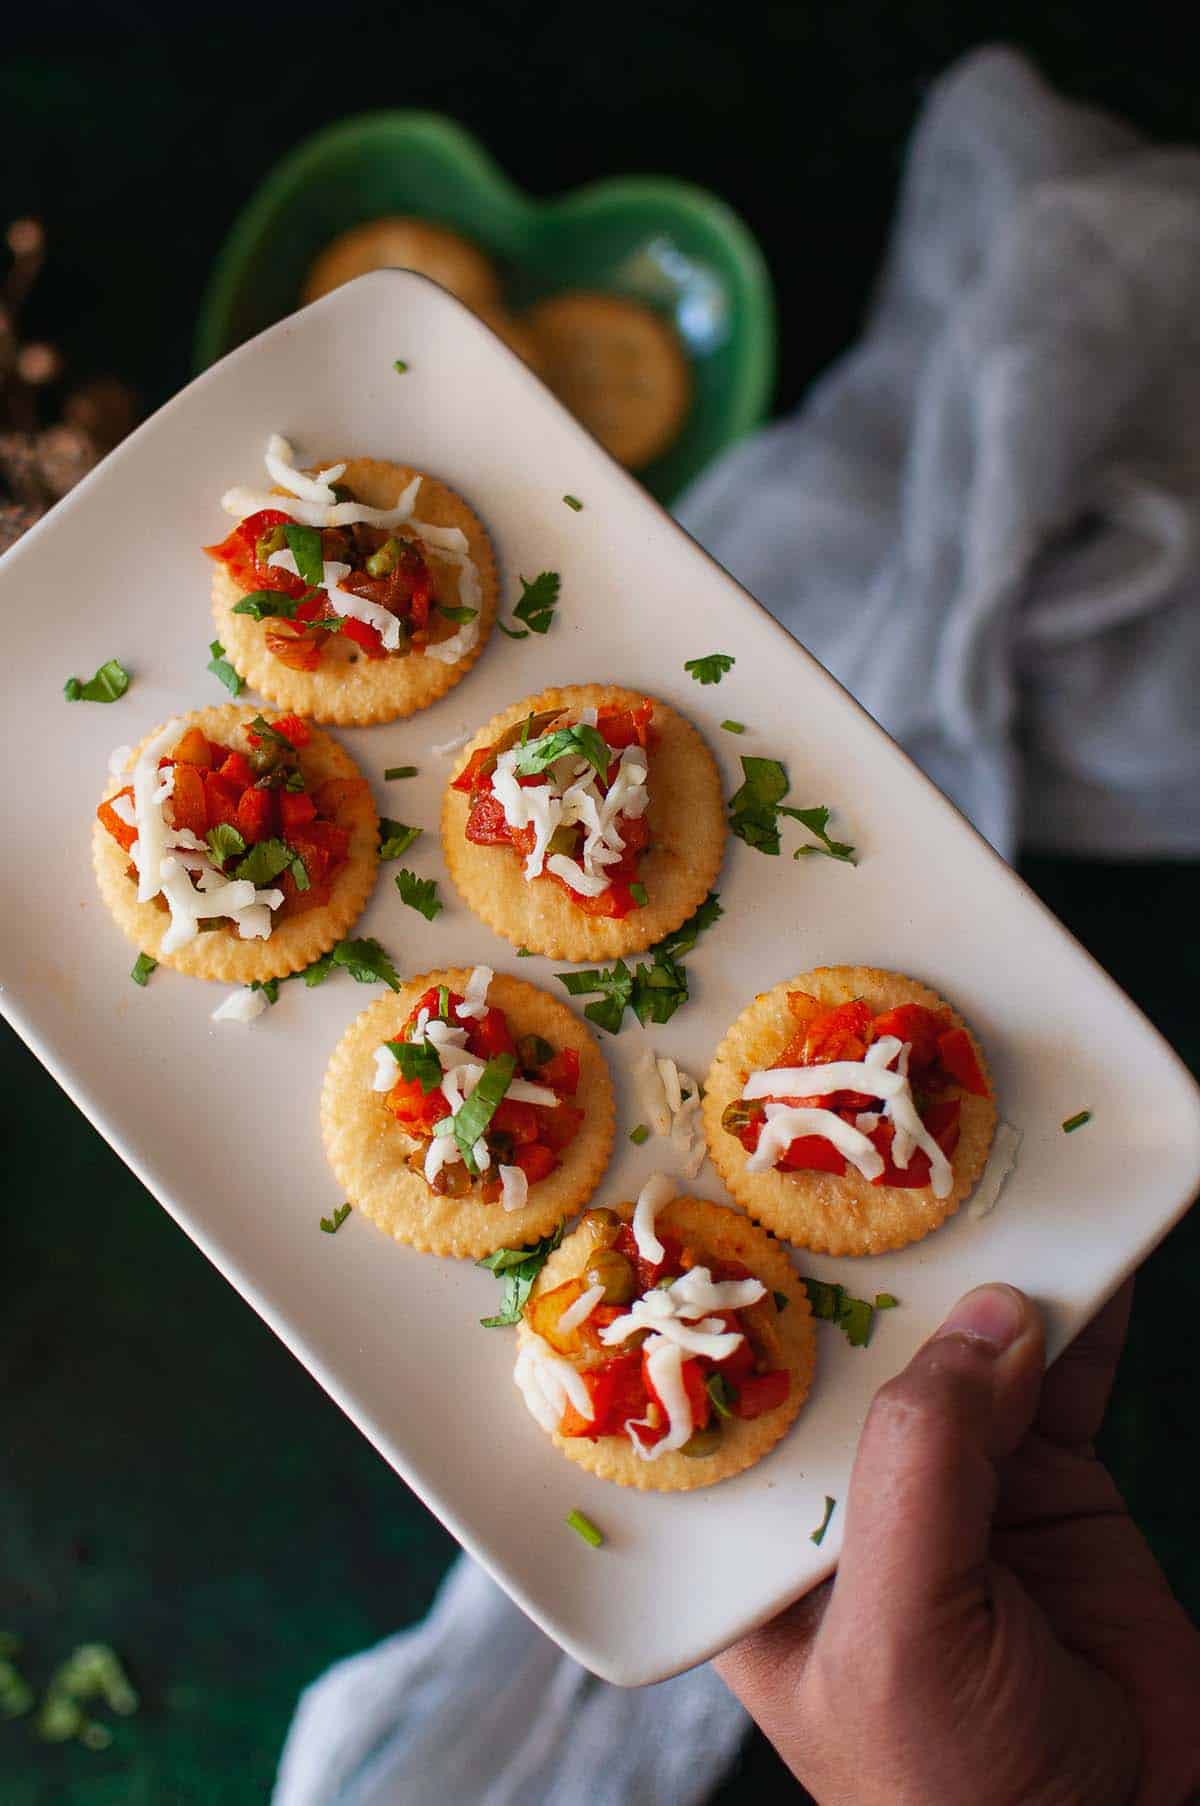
point(294, 943)
point(726, 1235)
point(688, 830)
point(348, 687)
point(367, 1147)
point(818, 1210)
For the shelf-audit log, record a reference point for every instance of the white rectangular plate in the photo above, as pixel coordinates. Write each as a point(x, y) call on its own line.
point(220, 1122)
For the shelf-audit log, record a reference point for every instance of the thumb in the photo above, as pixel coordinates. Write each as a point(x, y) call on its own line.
point(923, 1490)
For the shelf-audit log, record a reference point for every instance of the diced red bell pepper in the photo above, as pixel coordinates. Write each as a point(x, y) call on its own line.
point(415, 1109)
point(237, 553)
point(626, 727)
point(490, 1035)
point(838, 1034)
point(558, 1128)
point(298, 902)
point(193, 749)
point(428, 1000)
point(612, 904)
point(914, 1023)
point(124, 833)
point(294, 729)
point(516, 1119)
point(761, 1392)
point(535, 1160)
point(735, 1366)
point(617, 1394)
point(649, 1272)
point(187, 800)
point(486, 825)
point(257, 816)
point(812, 1154)
point(479, 765)
point(296, 809)
point(236, 768)
point(333, 796)
point(364, 636)
point(220, 799)
point(959, 1059)
point(941, 1119)
point(561, 1072)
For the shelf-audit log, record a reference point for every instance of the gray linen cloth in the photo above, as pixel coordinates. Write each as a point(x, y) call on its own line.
point(984, 520)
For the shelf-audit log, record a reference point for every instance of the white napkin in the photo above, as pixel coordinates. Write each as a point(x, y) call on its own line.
point(475, 1707)
point(984, 519)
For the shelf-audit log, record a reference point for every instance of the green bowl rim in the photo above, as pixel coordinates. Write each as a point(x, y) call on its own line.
point(750, 399)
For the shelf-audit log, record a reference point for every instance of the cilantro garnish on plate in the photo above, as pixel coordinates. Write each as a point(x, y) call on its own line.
point(332, 1224)
point(143, 965)
point(711, 669)
point(818, 1535)
point(755, 808)
point(419, 893)
point(518, 1268)
point(816, 821)
point(110, 682)
point(536, 607)
point(855, 1317)
point(654, 990)
point(395, 838)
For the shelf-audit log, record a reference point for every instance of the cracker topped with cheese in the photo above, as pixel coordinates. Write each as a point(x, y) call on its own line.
point(585, 823)
point(467, 1112)
point(355, 593)
point(666, 1344)
point(849, 1110)
point(235, 847)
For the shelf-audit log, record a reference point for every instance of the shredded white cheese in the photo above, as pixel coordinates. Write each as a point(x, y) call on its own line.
point(514, 1187)
point(664, 1366)
point(874, 1076)
point(581, 1310)
point(547, 1383)
point(242, 1005)
point(451, 746)
point(118, 761)
point(654, 1195)
point(474, 1004)
point(570, 794)
point(1001, 1163)
point(669, 1100)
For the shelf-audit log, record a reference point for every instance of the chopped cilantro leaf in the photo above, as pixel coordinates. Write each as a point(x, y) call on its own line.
point(536, 607)
point(640, 894)
point(400, 771)
point(319, 971)
point(781, 1301)
point(222, 670)
point(418, 1060)
point(524, 953)
point(332, 1224)
point(712, 669)
point(110, 682)
point(584, 1527)
point(855, 1317)
point(658, 989)
point(816, 821)
point(224, 843)
point(400, 366)
point(753, 809)
point(268, 604)
point(684, 938)
point(518, 1268)
point(143, 965)
point(587, 742)
point(395, 839)
point(573, 502)
point(304, 543)
point(419, 893)
point(365, 961)
point(268, 986)
point(818, 1535)
point(884, 1301)
point(1076, 1122)
point(639, 1135)
point(476, 1111)
point(265, 860)
point(615, 985)
point(456, 614)
point(734, 727)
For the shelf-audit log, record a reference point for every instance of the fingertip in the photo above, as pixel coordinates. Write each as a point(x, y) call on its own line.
point(996, 1317)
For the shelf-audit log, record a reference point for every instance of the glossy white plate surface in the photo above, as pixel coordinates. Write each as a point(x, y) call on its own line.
point(220, 1122)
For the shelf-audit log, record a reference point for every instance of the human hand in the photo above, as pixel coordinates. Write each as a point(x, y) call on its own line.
point(998, 1632)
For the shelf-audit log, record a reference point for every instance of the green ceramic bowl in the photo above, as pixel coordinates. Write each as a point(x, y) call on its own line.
point(664, 242)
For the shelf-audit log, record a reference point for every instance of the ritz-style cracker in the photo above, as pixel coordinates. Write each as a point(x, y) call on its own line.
point(347, 687)
point(818, 1210)
point(723, 1234)
point(686, 817)
point(297, 940)
point(367, 1148)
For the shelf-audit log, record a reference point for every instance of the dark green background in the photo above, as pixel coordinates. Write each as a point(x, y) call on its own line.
point(172, 1480)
